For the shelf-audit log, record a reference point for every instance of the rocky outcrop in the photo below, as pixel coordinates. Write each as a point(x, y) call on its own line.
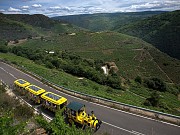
point(109, 68)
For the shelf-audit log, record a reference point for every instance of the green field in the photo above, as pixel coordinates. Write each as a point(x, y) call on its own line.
point(132, 55)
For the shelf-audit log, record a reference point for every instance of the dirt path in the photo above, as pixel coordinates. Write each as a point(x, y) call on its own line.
point(161, 69)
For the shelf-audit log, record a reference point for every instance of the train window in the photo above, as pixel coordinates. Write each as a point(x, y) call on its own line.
point(34, 88)
point(52, 96)
point(21, 81)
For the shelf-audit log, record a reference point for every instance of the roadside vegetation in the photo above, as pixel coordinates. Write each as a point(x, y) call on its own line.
point(138, 93)
point(14, 116)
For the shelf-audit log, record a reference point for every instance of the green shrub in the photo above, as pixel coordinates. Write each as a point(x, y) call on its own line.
point(23, 112)
point(156, 84)
point(138, 79)
point(109, 90)
point(9, 127)
point(3, 48)
point(153, 100)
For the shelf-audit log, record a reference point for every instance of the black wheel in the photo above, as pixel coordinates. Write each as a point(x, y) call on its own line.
point(70, 121)
point(84, 127)
point(98, 125)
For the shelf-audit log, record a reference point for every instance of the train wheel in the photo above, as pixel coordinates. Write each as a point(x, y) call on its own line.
point(70, 121)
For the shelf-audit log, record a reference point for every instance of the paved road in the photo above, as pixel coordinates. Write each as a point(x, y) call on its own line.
point(115, 122)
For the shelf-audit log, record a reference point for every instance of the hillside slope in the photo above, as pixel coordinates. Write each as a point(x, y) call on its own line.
point(11, 29)
point(21, 26)
point(36, 20)
point(161, 30)
point(132, 55)
point(104, 21)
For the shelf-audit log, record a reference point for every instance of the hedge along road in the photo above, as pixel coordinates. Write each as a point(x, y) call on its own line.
point(115, 122)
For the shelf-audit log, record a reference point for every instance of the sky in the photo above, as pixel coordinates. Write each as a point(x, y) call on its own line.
point(71, 7)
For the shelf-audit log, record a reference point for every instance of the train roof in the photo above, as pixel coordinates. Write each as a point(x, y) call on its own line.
point(21, 83)
point(35, 89)
point(53, 98)
point(75, 106)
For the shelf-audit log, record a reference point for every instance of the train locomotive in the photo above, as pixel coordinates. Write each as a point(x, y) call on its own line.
point(74, 111)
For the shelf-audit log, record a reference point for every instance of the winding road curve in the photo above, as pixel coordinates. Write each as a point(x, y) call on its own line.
point(115, 122)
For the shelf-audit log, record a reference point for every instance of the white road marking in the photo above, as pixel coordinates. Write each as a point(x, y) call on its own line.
point(99, 104)
point(8, 72)
point(3, 69)
point(46, 116)
point(130, 131)
point(13, 76)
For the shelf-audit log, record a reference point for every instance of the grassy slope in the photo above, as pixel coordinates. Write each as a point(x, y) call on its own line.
point(127, 52)
point(70, 81)
point(161, 30)
point(92, 88)
point(10, 29)
point(36, 20)
point(20, 26)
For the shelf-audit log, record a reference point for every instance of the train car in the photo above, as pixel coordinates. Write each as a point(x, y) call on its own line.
point(75, 113)
point(53, 101)
point(34, 93)
point(20, 85)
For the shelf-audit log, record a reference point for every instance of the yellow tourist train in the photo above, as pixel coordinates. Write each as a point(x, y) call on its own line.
point(34, 93)
point(74, 111)
point(20, 85)
point(53, 101)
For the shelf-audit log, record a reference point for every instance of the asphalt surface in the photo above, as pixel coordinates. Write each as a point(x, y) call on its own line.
point(115, 122)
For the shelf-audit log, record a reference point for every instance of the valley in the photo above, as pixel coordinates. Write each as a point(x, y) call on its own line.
point(80, 53)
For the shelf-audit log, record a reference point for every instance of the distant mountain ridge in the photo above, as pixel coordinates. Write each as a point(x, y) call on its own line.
point(162, 31)
point(11, 29)
point(105, 21)
point(37, 20)
point(20, 26)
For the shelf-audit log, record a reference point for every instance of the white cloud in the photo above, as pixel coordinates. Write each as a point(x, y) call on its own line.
point(25, 7)
point(14, 10)
point(2, 10)
point(36, 5)
point(57, 8)
point(155, 5)
point(145, 5)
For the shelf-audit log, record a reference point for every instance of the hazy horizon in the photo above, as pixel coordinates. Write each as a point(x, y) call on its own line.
point(53, 8)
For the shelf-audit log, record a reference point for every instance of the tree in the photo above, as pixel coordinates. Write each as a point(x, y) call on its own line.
point(56, 63)
point(49, 65)
point(138, 79)
point(156, 84)
point(153, 100)
point(3, 49)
